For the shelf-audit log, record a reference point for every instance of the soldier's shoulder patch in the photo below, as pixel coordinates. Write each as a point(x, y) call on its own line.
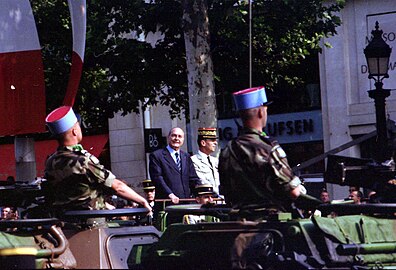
point(280, 152)
point(94, 159)
point(91, 157)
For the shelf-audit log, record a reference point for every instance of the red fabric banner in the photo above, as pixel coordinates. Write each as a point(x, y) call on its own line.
point(78, 15)
point(74, 80)
point(93, 144)
point(22, 93)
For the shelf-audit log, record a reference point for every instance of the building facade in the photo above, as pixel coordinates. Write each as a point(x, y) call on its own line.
point(347, 110)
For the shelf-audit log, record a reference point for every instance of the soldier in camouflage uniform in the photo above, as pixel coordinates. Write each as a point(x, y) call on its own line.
point(254, 173)
point(75, 178)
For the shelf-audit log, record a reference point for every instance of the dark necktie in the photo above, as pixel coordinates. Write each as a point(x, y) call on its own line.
point(178, 161)
point(210, 163)
point(211, 166)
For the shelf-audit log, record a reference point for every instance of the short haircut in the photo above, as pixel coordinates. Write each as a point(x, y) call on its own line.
point(248, 114)
point(170, 131)
point(359, 193)
point(199, 140)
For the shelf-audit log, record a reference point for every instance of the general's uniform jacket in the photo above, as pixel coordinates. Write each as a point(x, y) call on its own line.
point(208, 174)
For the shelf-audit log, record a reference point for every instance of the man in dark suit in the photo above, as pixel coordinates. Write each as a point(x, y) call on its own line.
point(172, 170)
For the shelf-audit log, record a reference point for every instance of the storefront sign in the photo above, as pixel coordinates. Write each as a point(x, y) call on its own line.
point(152, 139)
point(286, 128)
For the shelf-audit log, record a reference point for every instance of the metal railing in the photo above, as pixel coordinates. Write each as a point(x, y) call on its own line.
point(162, 215)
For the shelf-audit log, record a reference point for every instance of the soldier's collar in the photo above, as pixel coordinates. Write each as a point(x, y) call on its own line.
point(255, 131)
point(76, 147)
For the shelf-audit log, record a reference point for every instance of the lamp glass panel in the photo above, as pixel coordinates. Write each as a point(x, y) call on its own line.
point(378, 66)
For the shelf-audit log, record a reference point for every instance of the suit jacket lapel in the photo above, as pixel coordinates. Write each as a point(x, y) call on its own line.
point(169, 159)
point(172, 162)
point(183, 161)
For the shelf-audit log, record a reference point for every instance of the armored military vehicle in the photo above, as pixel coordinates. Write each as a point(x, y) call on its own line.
point(96, 239)
point(358, 237)
point(334, 236)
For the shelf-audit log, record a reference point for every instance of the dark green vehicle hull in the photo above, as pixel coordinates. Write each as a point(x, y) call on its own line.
point(345, 242)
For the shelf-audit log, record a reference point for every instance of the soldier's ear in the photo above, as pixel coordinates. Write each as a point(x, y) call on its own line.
point(260, 113)
point(75, 130)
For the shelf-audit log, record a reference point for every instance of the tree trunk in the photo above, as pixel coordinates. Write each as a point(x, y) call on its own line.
point(202, 99)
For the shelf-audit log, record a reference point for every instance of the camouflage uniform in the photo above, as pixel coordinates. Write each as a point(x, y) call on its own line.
point(255, 174)
point(76, 180)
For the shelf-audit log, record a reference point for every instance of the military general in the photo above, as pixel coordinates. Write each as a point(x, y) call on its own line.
point(206, 165)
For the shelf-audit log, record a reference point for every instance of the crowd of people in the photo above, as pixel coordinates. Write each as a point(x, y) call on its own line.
point(355, 196)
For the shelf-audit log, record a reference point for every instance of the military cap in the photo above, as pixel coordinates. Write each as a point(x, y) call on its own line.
point(60, 120)
point(250, 98)
point(148, 185)
point(207, 133)
point(203, 190)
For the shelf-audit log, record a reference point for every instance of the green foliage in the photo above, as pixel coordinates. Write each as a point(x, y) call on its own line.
point(120, 70)
point(286, 40)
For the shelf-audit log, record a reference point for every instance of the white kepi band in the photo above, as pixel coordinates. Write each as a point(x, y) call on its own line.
point(60, 120)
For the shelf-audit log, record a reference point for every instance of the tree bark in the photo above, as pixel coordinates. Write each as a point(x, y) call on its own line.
point(202, 99)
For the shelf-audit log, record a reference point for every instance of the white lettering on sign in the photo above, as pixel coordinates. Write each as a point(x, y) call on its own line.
point(286, 128)
point(296, 127)
point(364, 68)
point(387, 23)
point(153, 141)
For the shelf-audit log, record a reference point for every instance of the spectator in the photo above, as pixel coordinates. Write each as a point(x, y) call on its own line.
point(9, 213)
point(5, 211)
point(372, 197)
point(353, 188)
point(324, 196)
point(356, 196)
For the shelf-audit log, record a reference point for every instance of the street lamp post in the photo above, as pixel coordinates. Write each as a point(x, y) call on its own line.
point(377, 54)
